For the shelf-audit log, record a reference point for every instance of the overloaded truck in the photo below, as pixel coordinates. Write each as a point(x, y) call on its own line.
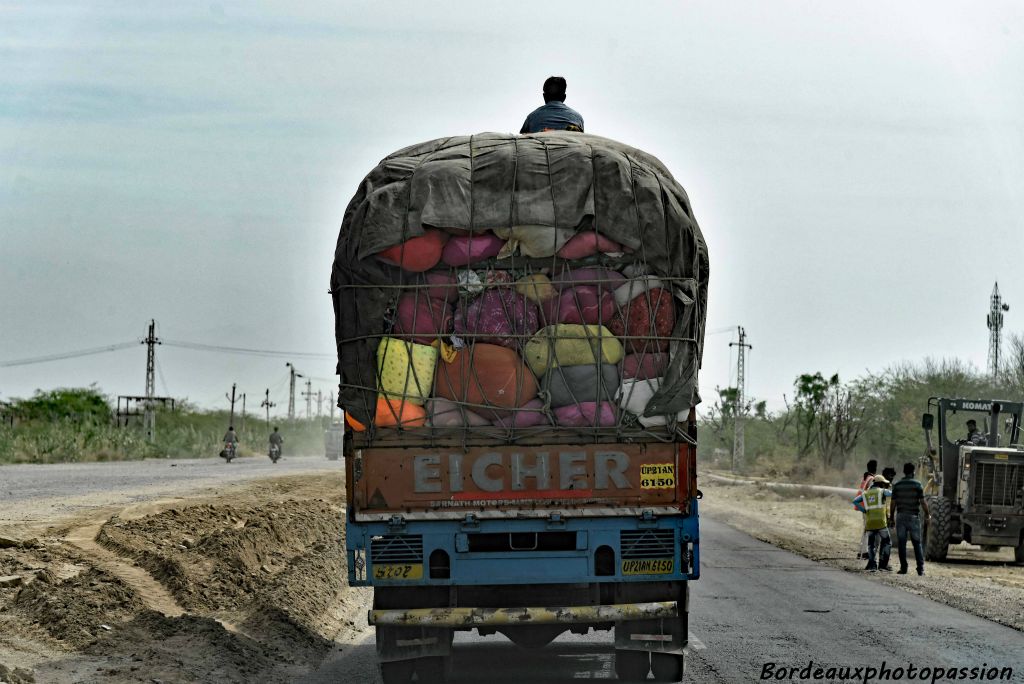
point(520, 322)
point(975, 486)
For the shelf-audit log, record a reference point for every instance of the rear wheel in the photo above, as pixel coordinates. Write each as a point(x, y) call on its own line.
point(936, 539)
point(667, 667)
point(397, 671)
point(632, 666)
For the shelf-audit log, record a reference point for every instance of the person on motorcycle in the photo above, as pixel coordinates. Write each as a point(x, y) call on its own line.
point(276, 440)
point(231, 437)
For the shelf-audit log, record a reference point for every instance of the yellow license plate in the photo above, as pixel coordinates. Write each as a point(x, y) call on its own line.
point(1002, 457)
point(657, 476)
point(648, 566)
point(407, 571)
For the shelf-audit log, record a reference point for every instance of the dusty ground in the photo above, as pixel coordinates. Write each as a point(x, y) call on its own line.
point(247, 583)
point(828, 529)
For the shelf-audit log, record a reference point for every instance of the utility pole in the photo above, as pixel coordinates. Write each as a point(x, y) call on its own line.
point(995, 331)
point(268, 405)
point(330, 401)
point(740, 410)
point(243, 412)
point(291, 389)
point(308, 394)
point(319, 402)
point(149, 416)
point(231, 398)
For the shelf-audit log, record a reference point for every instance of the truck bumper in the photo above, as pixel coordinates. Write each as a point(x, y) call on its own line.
point(524, 551)
point(487, 617)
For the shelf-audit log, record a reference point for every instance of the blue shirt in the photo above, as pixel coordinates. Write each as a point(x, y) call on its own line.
point(555, 116)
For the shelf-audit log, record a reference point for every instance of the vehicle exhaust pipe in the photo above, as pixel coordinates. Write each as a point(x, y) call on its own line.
point(993, 437)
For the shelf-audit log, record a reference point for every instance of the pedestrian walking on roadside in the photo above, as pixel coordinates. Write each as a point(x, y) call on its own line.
point(865, 484)
point(908, 503)
point(876, 525)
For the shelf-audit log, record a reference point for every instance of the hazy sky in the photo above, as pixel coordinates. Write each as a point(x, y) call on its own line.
point(857, 168)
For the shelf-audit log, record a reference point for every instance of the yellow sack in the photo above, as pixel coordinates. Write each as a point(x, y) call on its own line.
point(406, 370)
point(571, 344)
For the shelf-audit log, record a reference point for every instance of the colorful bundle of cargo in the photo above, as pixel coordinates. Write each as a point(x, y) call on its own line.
point(485, 337)
point(565, 321)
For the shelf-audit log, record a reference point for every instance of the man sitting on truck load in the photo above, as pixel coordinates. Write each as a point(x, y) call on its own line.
point(872, 504)
point(554, 115)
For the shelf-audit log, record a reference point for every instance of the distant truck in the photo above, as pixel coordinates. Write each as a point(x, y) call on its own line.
point(975, 492)
point(334, 440)
point(528, 468)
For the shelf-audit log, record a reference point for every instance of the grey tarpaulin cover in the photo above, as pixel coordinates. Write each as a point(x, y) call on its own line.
point(490, 181)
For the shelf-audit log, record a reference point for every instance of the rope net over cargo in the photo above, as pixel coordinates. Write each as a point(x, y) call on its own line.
point(519, 289)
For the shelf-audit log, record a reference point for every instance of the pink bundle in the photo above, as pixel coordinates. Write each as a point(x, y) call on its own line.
point(588, 243)
point(462, 250)
point(580, 304)
point(586, 414)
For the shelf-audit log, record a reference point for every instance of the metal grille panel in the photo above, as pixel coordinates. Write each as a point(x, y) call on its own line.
point(997, 484)
point(647, 543)
point(397, 548)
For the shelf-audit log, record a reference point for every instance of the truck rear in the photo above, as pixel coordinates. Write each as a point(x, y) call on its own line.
point(519, 323)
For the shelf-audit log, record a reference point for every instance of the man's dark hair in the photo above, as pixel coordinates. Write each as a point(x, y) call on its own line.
point(908, 469)
point(231, 427)
point(888, 473)
point(275, 428)
point(872, 466)
point(554, 89)
point(972, 422)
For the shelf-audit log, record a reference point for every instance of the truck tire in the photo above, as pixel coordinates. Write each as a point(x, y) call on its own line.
point(397, 671)
point(667, 667)
point(632, 666)
point(936, 540)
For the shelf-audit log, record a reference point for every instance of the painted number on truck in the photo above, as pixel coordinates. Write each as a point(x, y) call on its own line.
point(657, 476)
point(398, 572)
point(648, 566)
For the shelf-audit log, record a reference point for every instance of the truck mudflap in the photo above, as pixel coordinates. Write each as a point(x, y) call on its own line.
point(468, 618)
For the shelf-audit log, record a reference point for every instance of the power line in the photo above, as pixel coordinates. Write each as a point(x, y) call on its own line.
point(200, 346)
point(68, 355)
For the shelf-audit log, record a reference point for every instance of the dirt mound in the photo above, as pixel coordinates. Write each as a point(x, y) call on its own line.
point(188, 648)
point(262, 580)
point(75, 610)
point(221, 557)
point(16, 675)
point(277, 569)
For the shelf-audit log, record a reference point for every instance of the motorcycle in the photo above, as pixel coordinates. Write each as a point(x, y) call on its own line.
point(228, 452)
point(275, 453)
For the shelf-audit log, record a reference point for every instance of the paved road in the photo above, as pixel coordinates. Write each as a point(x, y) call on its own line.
point(754, 604)
point(34, 493)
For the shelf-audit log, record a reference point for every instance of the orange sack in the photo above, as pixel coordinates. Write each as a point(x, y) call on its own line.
point(391, 412)
point(487, 375)
point(398, 413)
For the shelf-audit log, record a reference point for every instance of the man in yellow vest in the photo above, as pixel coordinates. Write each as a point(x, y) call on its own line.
point(872, 503)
